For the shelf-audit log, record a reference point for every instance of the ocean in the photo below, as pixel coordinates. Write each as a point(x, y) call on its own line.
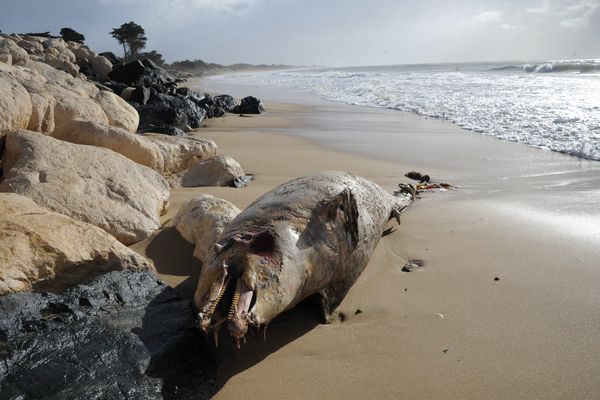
point(551, 105)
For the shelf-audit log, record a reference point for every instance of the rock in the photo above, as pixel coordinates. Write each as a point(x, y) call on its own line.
point(140, 95)
point(87, 183)
point(180, 153)
point(82, 52)
point(226, 102)
point(201, 221)
point(56, 77)
point(116, 87)
point(413, 265)
point(118, 111)
point(217, 171)
point(61, 46)
point(17, 54)
point(42, 113)
point(31, 47)
point(127, 73)
point(60, 64)
point(164, 130)
point(42, 247)
point(70, 106)
point(164, 110)
point(135, 147)
point(204, 101)
point(249, 105)
point(6, 59)
point(194, 114)
point(110, 56)
point(126, 94)
point(15, 103)
point(101, 66)
point(124, 335)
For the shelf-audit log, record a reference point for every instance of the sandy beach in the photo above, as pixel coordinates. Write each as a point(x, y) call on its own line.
point(506, 306)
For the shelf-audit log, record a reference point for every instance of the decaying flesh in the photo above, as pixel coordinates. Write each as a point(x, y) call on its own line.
point(311, 236)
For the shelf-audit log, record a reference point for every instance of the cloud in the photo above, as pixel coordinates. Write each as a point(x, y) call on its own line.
point(580, 15)
point(488, 16)
point(508, 27)
point(170, 5)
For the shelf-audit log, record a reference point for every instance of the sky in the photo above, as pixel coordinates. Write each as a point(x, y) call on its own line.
point(328, 32)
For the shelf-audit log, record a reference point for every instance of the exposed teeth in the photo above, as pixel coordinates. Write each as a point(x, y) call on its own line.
point(218, 299)
point(235, 301)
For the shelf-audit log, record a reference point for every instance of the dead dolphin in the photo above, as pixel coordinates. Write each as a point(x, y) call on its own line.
point(311, 236)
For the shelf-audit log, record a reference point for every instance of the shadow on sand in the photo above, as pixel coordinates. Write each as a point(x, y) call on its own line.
point(173, 255)
point(285, 329)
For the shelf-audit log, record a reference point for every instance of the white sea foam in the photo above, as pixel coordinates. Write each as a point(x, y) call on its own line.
point(556, 105)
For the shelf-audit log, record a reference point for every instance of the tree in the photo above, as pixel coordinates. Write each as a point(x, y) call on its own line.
point(132, 37)
point(69, 34)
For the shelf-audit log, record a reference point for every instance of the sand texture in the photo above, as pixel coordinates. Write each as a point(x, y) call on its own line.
point(450, 329)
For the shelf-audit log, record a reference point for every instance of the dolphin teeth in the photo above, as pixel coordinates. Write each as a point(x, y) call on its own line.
point(213, 306)
point(235, 301)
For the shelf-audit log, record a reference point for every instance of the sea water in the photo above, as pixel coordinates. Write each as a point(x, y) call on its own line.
point(552, 105)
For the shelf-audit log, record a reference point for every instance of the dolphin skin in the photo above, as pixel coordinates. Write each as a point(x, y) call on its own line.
point(311, 236)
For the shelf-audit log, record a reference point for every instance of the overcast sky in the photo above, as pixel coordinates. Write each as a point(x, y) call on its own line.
point(328, 32)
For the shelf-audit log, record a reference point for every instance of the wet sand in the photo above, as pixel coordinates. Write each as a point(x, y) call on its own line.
point(449, 330)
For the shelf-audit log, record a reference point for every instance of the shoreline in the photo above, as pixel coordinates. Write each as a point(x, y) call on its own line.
point(449, 329)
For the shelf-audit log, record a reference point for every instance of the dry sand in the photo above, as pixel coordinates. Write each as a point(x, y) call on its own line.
point(449, 330)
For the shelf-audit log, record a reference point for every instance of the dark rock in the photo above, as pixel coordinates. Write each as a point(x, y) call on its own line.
point(241, 181)
point(176, 111)
point(417, 176)
point(249, 105)
point(202, 100)
point(155, 117)
point(123, 335)
point(128, 73)
point(226, 102)
point(86, 68)
point(140, 95)
point(116, 87)
point(413, 265)
point(111, 57)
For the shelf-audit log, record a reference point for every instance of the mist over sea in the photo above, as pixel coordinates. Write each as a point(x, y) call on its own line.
point(553, 105)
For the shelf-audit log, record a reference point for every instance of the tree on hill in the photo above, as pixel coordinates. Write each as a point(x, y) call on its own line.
point(132, 37)
point(72, 35)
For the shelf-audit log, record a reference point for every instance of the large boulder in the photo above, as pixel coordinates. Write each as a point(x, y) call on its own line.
point(118, 111)
point(203, 100)
point(135, 147)
point(8, 46)
point(226, 102)
point(70, 106)
point(77, 85)
point(180, 153)
point(32, 47)
point(110, 56)
point(194, 114)
point(87, 183)
point(101, 66)
point(202, 220)
point(249, 105)
point(127, 73)
point(124, 335)
point(61, 64)
point(15, 103)
point(44, 248)
point(217, 171)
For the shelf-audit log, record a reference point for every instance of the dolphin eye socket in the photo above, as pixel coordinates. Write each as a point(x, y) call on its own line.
point(263, 244)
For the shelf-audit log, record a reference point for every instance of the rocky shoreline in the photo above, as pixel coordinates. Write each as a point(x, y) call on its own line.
point(91, 147)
